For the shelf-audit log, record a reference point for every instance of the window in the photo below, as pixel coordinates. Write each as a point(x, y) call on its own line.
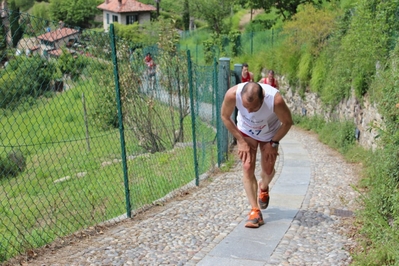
point(107, 18)
point(47, 43)
point(131, 19)
point(114, 18)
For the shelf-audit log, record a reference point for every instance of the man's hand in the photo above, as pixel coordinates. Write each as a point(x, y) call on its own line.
point(269, 152)
point(244, 151)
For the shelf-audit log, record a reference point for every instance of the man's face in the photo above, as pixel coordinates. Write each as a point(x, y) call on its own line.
point(245, 70)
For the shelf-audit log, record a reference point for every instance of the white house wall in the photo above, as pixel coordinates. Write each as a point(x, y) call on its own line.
point(110, 14)
point(142, 17)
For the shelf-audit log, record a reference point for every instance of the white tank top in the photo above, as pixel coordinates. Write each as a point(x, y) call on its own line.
point(263, 124)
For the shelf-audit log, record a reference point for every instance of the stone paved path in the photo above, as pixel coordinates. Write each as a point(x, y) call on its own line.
point(189, 229)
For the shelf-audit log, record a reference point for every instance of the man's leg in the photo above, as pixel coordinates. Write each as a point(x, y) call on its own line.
point(267, 174)
point(249, 179)
point(255, 218)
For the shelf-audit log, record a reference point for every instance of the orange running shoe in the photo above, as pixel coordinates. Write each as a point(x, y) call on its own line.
point(255, 219)
point(263, 198)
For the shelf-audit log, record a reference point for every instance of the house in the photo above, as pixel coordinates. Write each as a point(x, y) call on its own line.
point(125, 12)
point(52, 42)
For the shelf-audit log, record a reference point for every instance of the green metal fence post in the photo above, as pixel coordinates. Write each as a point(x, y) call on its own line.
point(215, 86)
point(190, 85)
point(272, 36)
point(252, 42)
point(120, 117)
point(223, 86)
point(237, 74)
point(196, 53)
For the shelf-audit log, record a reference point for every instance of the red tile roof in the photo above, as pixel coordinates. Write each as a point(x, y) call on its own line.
point(57, 52)
point(125, 6)
point(57, 34)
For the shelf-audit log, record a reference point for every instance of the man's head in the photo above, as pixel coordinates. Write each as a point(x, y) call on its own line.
point(244, 67)
point(252, 96)
point(271, 74)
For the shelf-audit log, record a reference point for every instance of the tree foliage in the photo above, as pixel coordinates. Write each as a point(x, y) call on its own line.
point(78, 13)
point(24, 78)
point(24, 5)
point(70, 64)
point(186, 15)
point(213, 12)
point(41, 16)
point(157, 123)
point(3, 42)
point(16, 29)
point(285, 8)
point(311, 27)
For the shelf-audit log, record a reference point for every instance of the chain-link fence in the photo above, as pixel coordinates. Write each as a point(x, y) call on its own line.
point(89, 132)
point(205, 46)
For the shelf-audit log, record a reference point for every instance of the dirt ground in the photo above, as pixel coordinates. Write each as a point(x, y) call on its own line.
point(247, 18)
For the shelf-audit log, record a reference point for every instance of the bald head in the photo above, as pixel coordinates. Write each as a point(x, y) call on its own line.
point(252, 91)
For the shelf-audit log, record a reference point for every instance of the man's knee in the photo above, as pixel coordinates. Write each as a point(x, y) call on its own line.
point(248, 167)
point(270, 173)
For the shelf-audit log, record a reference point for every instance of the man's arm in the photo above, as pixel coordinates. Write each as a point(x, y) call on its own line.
point(228, 106)
point(284, 115)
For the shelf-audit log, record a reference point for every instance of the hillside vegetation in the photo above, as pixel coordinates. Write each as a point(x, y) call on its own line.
point(332, 48)
point(336, 50)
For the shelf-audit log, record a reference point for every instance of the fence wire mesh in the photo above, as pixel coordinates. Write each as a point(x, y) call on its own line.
point(205, 47)
point(67, 160)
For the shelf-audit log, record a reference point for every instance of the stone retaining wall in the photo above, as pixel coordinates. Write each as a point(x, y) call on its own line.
point(365, 115)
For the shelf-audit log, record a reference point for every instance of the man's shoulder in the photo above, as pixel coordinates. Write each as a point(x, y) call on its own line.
point(233, 89)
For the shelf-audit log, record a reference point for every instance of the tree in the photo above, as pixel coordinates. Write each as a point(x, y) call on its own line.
point(76, 13)
point(186, 15)
point(41, 16)
point(3, 42)
point(310, 27)
point(285, 8)
point(157, 4)
point(24, 5)
point(214, 12)
point(27, 78)
point(16, 29)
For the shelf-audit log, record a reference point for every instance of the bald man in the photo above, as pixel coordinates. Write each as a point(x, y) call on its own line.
point(263, 120)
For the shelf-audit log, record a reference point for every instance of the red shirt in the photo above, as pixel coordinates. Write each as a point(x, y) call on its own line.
point(272, 83)
point(247, 79)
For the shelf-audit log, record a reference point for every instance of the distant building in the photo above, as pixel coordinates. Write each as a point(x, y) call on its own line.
point(51, 42)
point(125, 12)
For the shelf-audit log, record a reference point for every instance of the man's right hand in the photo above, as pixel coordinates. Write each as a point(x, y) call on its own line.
point(244, 151)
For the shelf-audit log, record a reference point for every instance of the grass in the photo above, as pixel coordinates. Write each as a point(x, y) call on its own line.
point(376, 227)
point(51, 134)
point(236, 18)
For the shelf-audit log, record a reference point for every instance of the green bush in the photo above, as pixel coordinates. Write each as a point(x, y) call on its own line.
point(25, 77)
point(304, 69)
point(259, 25)
point(319, 72)
point(289, 58)
point(13, 164)
point(315, 123)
